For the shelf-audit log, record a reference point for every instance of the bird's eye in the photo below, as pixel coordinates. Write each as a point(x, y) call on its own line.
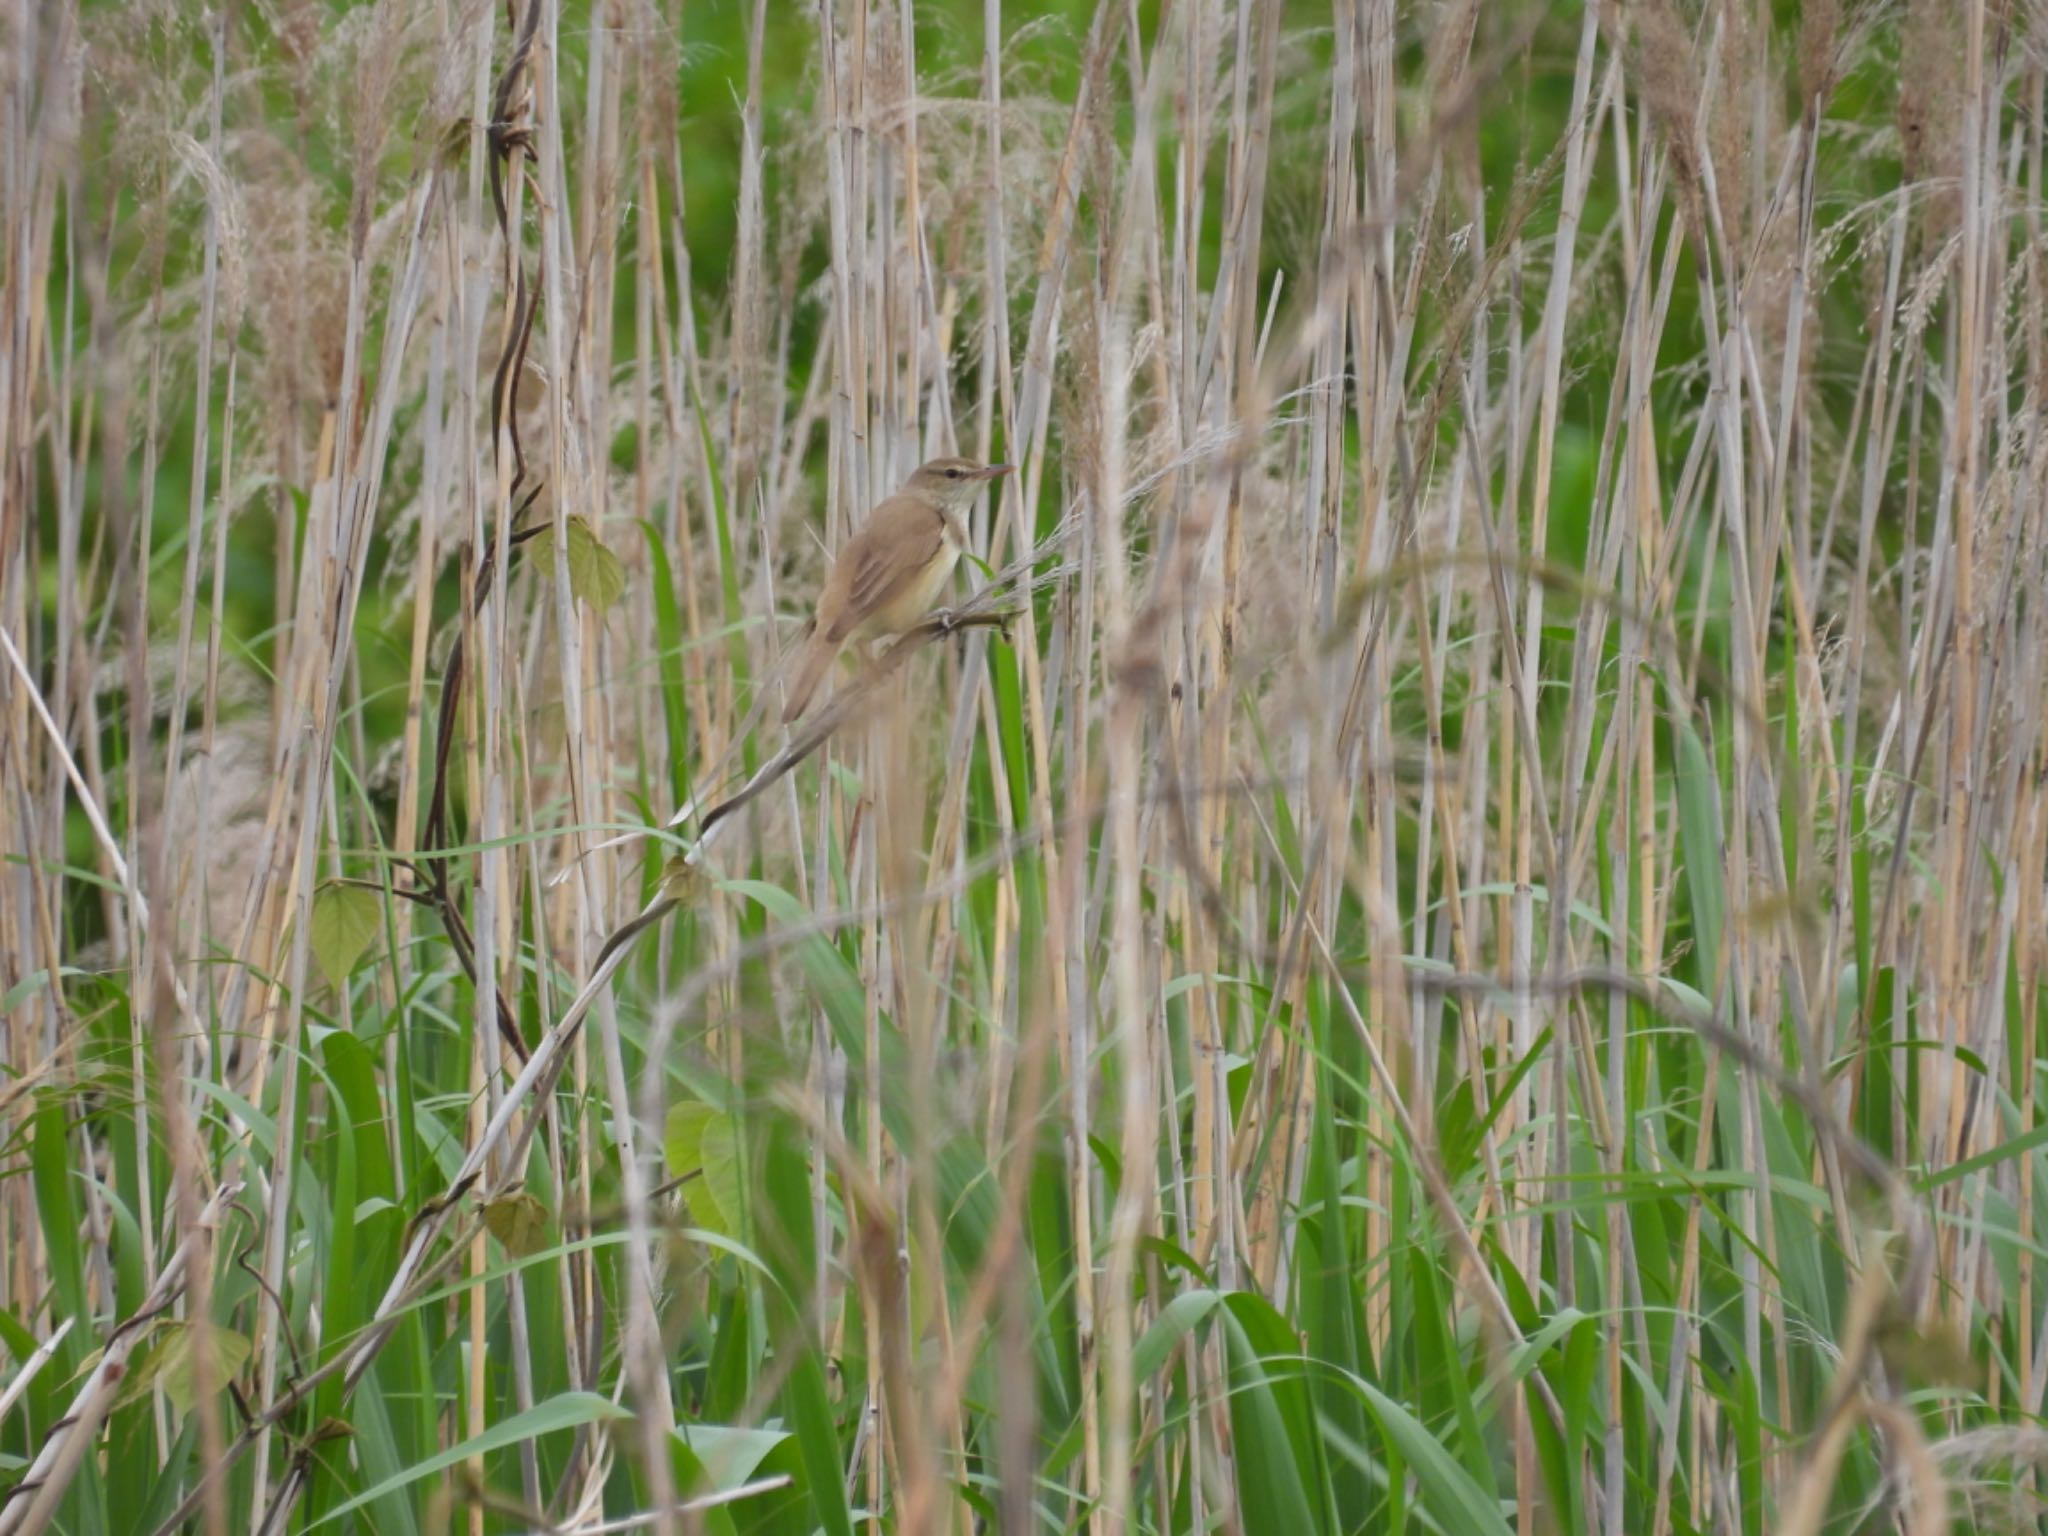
point(952, 474)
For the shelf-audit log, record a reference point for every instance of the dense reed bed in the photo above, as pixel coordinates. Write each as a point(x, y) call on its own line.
point(1451, 940)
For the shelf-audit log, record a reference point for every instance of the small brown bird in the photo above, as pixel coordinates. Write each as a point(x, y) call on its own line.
point(892, 570)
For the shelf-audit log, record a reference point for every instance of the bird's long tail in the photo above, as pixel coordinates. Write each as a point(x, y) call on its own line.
point(812, 663)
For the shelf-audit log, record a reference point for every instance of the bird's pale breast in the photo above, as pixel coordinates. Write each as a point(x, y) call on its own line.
point(917, 598)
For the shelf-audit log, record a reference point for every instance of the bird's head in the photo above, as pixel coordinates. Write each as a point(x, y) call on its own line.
point(953, 483)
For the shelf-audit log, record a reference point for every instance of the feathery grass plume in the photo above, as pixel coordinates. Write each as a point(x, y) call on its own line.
point(1928, 114)
point(1667, 75)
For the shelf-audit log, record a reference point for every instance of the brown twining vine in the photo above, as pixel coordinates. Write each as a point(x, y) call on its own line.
point(508, 136)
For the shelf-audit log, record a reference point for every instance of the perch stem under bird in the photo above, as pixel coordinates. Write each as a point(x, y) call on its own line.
point(890, 573)
point(988, 609)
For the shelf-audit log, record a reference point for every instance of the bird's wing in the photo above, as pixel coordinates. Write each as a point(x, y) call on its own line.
point(899, 540)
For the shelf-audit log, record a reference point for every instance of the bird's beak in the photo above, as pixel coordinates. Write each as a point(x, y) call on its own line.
point(997, 471)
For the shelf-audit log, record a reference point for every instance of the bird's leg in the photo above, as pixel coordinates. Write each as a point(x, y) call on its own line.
point(946, 620)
